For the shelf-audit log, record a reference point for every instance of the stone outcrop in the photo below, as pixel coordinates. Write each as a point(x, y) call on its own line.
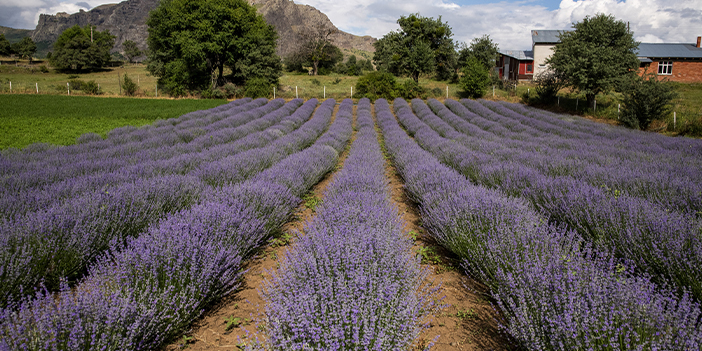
point(127, 21)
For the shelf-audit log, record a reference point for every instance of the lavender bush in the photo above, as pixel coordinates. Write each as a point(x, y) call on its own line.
point(554, 290)
point(351, 282)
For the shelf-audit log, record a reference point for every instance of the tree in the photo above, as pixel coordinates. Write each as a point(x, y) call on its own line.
point(306, 54)
point(646, 99)
point(191, 43)
point(316, 42)
point(5, 46)
point(596, 56)
point(422, 45)
point(79, 48)
point(475, 78)
point(131, 50)
point(25, 48)
point(483, 49)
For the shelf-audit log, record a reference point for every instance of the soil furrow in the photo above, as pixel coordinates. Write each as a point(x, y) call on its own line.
point(239, 319)
point(468, 320)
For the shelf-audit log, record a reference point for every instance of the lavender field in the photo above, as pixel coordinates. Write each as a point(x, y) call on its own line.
point(586, 236)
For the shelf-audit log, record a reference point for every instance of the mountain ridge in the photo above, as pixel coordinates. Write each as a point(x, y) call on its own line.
point(127, 21)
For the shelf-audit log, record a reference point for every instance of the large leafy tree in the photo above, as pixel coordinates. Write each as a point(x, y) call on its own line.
point(79, 48)
point(483, 49)
point(422, 45)
point(25, 48)
point(131, 50)
point(596, 57)
point(5, 46)
point(192, 42)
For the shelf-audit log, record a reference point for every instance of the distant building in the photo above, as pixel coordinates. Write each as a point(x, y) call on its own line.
point(515, 65)
point(542, 43)
point(680, 62)
point(677, 62)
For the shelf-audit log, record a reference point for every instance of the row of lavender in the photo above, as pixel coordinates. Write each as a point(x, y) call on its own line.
point(62, 239)
point(159, 153)
point(555, 291)
point(143, 292)
point(635, 166)
point(665, 243)
point(351, 282)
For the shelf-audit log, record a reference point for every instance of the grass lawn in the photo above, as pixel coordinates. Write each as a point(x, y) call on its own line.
point(58, 119)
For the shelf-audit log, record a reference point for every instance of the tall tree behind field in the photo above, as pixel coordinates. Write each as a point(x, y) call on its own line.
point(596, 57)
point(483, 49)
point(131, 50)
point(192, 42)
point(79, 48)
point(25, 48)
point(5, 46)
point(422, 45)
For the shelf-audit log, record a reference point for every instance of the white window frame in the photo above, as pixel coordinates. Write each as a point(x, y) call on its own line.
point(665, 68)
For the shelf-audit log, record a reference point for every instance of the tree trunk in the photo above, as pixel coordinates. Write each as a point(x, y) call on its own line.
point(315, 63)
point(220, 76)
point(415, 76)
point(591, 100)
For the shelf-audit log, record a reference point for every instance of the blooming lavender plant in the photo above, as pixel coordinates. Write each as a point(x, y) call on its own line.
point(555, 290)
point(143, 292)
point(351, 283)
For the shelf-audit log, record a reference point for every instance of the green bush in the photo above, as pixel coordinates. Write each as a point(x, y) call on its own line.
point(411, 90)
point(129, 86)
point(548, 84)
point(91, 87)
point(257, 87)
point(76, 84)
point(376, 85)
point(232, 91)
point(646, 99)
point(213, 94)
point(43, 69)
point(475, 80)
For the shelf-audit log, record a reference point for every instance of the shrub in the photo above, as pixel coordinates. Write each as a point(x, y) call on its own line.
point(475, 79)
point(437, 92)
point(646, 99)
point(43, 69)
point(76, 84)
point(257, 87)
point(90, 87)
point(376, 85)
point(411, 90)
point(213, 94)
point(231, 91)
point(129, 86)
point(547, 86)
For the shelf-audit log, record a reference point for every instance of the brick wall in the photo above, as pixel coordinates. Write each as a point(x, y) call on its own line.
point(683, 71)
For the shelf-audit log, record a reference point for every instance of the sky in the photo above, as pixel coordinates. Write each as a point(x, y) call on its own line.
point(508, 23)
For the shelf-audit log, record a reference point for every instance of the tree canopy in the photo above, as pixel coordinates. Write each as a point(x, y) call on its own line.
point(131, 50)
point(25, 48)
point(483, 49)
point(596, 56)
point(192, 42)
point(422, 45)
point(78, 49)
point(5, 46)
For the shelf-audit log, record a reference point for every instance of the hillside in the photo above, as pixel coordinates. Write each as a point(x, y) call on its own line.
point(127, 21)
point(14, 35)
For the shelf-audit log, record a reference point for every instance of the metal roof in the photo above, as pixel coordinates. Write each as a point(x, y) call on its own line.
point(546, 36)
point(518, 54)
point(665, 50)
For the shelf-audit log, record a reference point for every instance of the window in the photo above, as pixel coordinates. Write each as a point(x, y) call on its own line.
point(530, 68)
point(665, 67)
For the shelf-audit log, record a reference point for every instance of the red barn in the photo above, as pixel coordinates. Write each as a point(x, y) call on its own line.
point(515, 65)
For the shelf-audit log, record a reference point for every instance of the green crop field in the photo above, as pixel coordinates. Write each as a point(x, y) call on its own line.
point(57, 119)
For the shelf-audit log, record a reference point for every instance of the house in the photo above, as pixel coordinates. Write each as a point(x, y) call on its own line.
point(677, 62)
point(680, 62)
point(515, 65)
point(542, 43)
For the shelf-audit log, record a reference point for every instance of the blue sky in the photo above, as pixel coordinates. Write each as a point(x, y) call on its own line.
point(509, 23)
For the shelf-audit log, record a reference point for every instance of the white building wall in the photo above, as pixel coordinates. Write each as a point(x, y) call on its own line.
point(541, 53)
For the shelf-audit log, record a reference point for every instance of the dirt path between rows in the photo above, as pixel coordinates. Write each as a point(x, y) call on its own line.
point(239, 319)
point(468, 322)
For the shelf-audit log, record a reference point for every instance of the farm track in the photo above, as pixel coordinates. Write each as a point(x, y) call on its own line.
point(468, 320)
point(247, 304)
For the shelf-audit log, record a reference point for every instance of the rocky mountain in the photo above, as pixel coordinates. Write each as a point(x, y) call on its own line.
point(127, 21)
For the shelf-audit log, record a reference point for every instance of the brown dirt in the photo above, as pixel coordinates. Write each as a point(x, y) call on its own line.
point(247, 304)
point(468, 321)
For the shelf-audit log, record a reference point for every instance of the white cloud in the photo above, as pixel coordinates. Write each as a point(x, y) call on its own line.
point(509, 23)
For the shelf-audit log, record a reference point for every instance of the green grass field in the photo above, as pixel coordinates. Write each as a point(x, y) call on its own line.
point(57, 119)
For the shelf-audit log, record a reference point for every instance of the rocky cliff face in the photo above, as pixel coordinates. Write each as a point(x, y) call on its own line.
point(127, 21)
